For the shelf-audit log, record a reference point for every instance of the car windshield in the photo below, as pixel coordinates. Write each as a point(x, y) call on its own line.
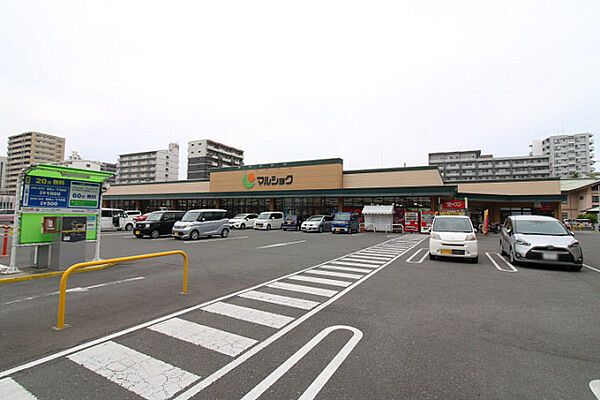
point(264, 215)
point(155, 216)
point(240, 216)
point(191, 216)
point(290, 218)
point(452, 225)
point(553, 228)
point(342, 217)
point(315, 218)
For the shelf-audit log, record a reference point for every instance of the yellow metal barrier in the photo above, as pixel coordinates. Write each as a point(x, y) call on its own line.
point(63, 281)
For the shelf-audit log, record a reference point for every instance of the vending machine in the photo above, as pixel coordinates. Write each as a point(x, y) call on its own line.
point(411, 221)
point(426, 221)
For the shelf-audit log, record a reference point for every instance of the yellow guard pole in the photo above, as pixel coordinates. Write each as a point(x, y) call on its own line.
point(70, 270)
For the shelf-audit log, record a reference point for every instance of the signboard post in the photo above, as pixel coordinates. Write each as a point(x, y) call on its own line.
point(45, 191)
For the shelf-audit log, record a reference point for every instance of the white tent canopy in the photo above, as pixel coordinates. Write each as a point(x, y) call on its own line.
point(378, 210)
point(378, 218)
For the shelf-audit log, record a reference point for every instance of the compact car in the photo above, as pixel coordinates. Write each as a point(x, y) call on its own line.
point(269, 220)
point(243, 221)
point(202, 222)
point(317, 223)
point(157, 223)
point(453, 236)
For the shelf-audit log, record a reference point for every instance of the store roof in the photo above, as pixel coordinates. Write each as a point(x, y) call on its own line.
point(567, 185)
point(378, 210)
point(593, 209)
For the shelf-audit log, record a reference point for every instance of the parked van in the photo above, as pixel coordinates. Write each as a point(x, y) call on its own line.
point(269, 220)
point(345, 222)
point(158, 223)
point(115, 219)
point(204, 222)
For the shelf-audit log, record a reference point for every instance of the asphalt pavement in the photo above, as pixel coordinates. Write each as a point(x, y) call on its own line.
point(275, 315)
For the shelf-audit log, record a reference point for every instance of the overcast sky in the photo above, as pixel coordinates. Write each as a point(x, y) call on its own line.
point(375, 83)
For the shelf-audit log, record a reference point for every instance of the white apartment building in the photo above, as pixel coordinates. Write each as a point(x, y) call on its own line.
point(76, 161)
point(471, 165)
point(3, 164)
point(206, 154)
point(570, 155)
point(149, 166)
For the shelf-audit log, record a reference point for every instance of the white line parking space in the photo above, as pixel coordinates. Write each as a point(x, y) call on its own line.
point(411, 259)
point(208, 241)
point(592, 268)
point(316, 386)
point(281, 244)
point(595, 388)
point(141, 371)
point(498, 260)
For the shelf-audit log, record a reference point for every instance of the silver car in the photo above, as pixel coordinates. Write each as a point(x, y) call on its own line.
point(317, 223)
point(197, 223)
point(540, 240)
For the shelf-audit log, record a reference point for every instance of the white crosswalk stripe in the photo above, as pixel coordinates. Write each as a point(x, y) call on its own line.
point(282, 300)
point(355, 264)
point(370, 257)
point(324, 281)
point(204, 336)
point(378, 262)
point(249, 314)
point(137, 372)
point(349, 269)
point(11, 390)
point(335, 274)
point(303, 289)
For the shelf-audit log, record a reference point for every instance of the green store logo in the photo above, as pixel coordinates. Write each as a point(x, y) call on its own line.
point(249, 180)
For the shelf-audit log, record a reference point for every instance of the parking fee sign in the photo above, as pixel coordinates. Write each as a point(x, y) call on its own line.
point(41, 192)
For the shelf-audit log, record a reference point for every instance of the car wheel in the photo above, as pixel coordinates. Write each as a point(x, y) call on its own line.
point(576, 268)
point(268, 227)
point(194, 235)
point(129, 227)
point(154, 234)
point(225, 233)
point(243, 226)
point(320, 229)
point(502, 252)
point(432, 257)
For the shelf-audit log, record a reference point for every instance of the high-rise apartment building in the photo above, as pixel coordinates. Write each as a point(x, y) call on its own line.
point(149, 166)
point(204, 155)
point(76, 161)
point(3, 162)
point(473, 166)
point(570, 155)
point(30, 148)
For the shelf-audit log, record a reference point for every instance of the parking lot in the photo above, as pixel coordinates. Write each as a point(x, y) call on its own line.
point(281, 314)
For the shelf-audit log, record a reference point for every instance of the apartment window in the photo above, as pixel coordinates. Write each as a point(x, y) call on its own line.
point(595, 199)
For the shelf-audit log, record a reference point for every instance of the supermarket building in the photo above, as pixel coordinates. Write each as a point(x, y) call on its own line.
point(322, 187)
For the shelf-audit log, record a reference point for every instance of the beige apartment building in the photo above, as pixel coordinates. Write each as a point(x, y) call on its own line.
point(29, 148)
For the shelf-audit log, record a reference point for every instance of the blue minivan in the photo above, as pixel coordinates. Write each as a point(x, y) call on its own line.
point(346, 222)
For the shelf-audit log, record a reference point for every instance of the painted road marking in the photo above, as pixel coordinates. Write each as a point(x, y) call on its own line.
point(277, 299)
point(215, 240)
point(204, 336)
point(303, 289)
point(595, 388)
point(510, 266)
point(75, 289)
point(11, 390)
point(592, 268)
point(281, 244)
point(324, 281)
point(410, 259)
point(390, 253)
point(374, 254)
point(135, 371)
point(334, 274)
point(215, 376)
point(362, 260)
point(370, 258)
point(355, 264)
point(249, 314)
point(349, 269)
point(316, 386)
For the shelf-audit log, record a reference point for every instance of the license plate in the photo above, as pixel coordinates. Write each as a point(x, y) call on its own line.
point(446, 251)
point(337, 230)
point(137, 232)
point(175, 233)
point(550, 256)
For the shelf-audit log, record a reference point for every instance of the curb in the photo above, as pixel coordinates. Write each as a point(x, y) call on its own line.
point(50, 274)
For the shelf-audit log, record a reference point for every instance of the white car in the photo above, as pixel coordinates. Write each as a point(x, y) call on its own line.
point(269, 220)
point(453, 236)
point(112, 219)
point(243, 221)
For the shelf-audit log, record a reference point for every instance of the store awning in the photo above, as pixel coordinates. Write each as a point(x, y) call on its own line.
point(378, 210)
point(593, 209)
